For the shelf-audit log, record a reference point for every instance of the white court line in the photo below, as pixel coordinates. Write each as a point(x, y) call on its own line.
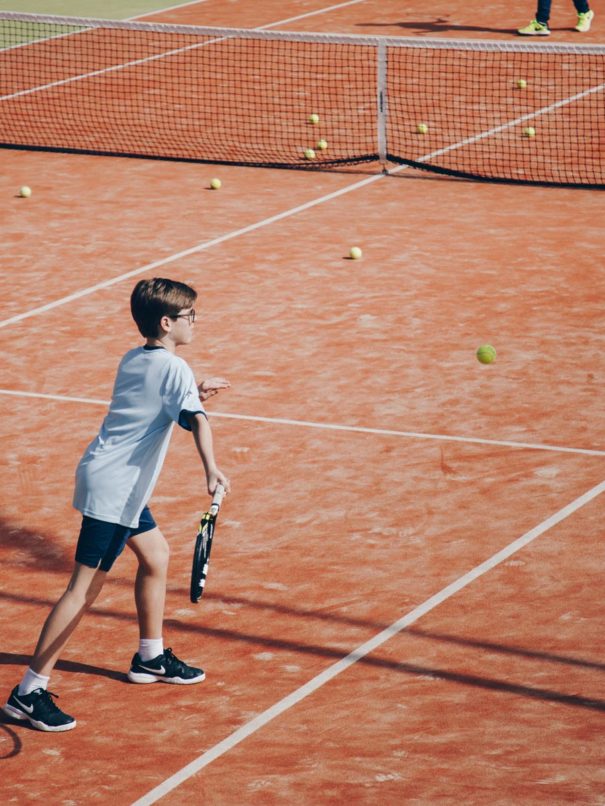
point(355, 429)
point(362, 651)
point(310, 14)
point(147, 59)
point(90, 401)
point(166, 10)
point(509, 124)
point(104, 70)
point(156, 264)
point(410, 434)
point(260, 27)
point(84, 30)
point(208, 244)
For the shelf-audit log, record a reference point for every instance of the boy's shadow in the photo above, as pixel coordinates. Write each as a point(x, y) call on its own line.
point(11, 659)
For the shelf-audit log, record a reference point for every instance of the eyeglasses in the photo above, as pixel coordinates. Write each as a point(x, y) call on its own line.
point(190, 316)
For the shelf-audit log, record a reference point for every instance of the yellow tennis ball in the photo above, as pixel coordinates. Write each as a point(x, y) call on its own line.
point(309, 154)
point(521, 83)
point(529, 131)
point(216, 184)
point(322, 145)
point(486, 354)
point(355, 253)
point(422, 128)
point(25, 192)
point(314, 118)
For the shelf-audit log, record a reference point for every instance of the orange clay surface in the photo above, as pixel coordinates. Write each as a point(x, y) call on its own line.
point(497, 694)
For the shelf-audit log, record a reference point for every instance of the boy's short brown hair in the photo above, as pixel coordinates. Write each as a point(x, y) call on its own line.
point(153, 299)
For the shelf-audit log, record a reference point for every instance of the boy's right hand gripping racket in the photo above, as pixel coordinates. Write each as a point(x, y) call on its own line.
point(203, 545)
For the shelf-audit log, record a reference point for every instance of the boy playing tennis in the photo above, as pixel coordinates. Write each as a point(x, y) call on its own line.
point(114, 481)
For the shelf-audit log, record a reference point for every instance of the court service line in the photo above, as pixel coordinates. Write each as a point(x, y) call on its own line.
point(156, 264)
point(337, 668)
point(355, 429)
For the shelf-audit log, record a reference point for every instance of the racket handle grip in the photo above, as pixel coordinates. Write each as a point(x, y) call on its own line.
point(217, 498)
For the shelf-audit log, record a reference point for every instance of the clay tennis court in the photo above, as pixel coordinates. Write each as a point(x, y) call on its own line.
point(404, 604)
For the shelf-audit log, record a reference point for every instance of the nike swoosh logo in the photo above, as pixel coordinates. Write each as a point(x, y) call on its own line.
point(161, 670)
point(28, 708)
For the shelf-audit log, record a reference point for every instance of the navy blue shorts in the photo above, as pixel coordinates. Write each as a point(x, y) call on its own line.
point(101, 543)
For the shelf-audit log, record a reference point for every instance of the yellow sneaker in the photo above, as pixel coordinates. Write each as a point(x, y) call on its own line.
point(584, 21)
point(535, 28)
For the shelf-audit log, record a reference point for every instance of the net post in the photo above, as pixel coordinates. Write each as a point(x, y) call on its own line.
point(381, 100)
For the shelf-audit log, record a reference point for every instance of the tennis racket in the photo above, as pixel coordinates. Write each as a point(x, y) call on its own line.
point(203, 546)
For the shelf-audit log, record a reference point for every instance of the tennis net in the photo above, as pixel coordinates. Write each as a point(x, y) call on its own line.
point(518, 111)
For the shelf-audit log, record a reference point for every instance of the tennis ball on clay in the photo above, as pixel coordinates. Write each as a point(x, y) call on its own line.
point(309, 154)
point(486, 354)
point(25, 192)
point(521, 83)
point(422, 128)
point(529, 131)
point(314, 118)
point(322, 145)
point(216, 184)
point(355, 253)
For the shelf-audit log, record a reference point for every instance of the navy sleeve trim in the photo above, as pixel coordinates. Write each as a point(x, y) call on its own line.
point(184, 417)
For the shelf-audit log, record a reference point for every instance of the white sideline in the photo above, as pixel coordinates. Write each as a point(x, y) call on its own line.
point(358, 429)
point(362, 651)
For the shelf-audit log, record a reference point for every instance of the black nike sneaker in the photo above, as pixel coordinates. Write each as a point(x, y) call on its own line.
point(39, 709)
point(166, 668)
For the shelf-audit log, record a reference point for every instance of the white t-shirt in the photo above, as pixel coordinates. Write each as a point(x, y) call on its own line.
point(119, 469)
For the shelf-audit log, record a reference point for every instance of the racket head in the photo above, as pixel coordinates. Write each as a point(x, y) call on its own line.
point(201, 557)
point(203, 546)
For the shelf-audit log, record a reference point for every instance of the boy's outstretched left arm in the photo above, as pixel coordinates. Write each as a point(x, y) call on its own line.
point(202, 434)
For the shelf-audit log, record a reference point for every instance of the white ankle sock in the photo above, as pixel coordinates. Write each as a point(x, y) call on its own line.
point(150, 648)
point(31, 681)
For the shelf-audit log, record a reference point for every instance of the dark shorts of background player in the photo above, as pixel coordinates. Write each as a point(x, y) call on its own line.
point(101, 543)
